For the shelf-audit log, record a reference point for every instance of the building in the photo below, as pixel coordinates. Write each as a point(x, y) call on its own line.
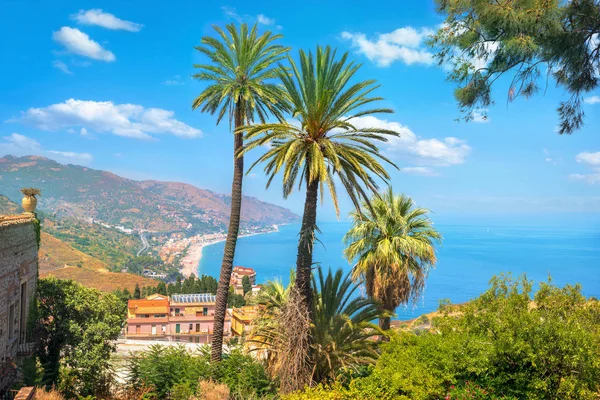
point(241, 319)
point(148, 318)
point(182, 317)
point(237, 275)
point(18, 279)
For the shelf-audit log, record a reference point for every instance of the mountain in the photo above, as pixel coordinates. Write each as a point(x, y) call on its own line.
point(62, 260)
point(84, 193)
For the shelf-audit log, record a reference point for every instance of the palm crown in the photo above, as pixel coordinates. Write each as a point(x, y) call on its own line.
point(323, 142)
point(242, 65)
point(392, 243)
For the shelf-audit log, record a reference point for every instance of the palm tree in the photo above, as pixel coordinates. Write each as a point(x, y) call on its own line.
point(393, 244)
point(322, 146)
point(242, 63)
point(342, 332)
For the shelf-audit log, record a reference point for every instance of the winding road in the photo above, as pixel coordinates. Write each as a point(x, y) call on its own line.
point(144, 242)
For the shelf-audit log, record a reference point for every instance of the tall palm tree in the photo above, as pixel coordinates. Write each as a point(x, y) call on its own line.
point(242, 65)
point(393, 244)
point(342, 330)
point(323, 145)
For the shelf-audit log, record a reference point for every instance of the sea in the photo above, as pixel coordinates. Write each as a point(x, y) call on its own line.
point(468, 258)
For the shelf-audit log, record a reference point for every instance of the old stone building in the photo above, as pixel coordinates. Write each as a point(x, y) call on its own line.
point(18, 278)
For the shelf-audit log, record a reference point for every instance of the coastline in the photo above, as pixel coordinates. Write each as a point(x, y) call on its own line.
point(191, 262)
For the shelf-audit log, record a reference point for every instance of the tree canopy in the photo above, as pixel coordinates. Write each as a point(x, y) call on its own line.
point(532, 40)
point(77, 327)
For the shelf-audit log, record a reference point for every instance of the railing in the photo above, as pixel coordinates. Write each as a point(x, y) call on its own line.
point(191, 317)
point(26, 349)
point(148, 320)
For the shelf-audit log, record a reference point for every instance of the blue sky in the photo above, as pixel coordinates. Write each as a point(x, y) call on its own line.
point(107, 84)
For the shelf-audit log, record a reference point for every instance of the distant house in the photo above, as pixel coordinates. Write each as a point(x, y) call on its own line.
point(238, 274)
point(182, 317)
point(241, 319)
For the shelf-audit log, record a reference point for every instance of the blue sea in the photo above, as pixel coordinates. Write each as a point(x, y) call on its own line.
point(469, 256)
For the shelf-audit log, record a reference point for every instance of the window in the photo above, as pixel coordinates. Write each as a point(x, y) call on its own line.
point(11, 321)
point(205, 311)
point(177, 328)
point(191, 328)
point(197, 327)
point(23, 316)
point(177, 311)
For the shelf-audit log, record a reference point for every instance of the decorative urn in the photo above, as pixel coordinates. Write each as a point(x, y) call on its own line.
point(29, 201)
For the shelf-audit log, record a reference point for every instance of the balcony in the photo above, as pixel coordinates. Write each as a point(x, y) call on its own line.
point(26, 349)
point(149, 320)
point(191, 317)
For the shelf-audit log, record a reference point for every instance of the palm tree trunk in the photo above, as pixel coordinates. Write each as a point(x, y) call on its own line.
point(230, 243)
point(384, 323)
point(306, 243)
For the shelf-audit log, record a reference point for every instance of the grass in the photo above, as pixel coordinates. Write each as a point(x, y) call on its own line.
point(61, 260)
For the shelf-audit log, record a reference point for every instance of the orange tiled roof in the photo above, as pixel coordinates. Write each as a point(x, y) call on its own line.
point(146, 306)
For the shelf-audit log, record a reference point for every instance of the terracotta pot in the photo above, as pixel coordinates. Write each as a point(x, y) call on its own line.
point(29, 203)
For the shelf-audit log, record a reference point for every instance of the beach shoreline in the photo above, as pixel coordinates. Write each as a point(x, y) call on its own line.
point(191, 262)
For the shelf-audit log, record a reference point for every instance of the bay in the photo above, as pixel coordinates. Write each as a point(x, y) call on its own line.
point(469, 257)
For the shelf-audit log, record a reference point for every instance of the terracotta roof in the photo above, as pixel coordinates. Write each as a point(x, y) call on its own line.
point(244, 271)
point(146, 306)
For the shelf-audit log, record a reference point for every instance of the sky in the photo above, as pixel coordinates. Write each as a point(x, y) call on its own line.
point(108, 85)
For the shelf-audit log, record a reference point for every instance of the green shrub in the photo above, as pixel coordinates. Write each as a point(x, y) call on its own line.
point(174, 372)
point(509, 343)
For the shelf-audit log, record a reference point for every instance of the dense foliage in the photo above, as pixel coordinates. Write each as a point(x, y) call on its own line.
point(531, 40)
point(191, 284)
point(341, 334)
point(507, 343)
point(76, 329)
point(172, 371)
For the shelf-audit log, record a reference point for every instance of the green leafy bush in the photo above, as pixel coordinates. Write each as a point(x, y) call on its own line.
point(509, 343)
point(174, 372)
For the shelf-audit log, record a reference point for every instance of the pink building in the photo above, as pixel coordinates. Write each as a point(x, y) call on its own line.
point(183, 317)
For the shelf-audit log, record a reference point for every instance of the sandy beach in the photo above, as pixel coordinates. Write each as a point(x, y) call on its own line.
point(189, 264)
point(191, 261)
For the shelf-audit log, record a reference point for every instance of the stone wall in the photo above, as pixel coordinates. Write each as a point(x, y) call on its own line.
point(18, 278)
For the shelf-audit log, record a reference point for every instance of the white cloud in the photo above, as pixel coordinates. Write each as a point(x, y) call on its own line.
point(404, 44)
point(105, 20)
point(231, 12)
point(592, 160)
point(173, 82)
point(80, 43)
point(420, 152)
point(129, 120)
point(21, 145)
point(480, 116)
point(83, 132)
point(62, 66)
point(588, 158)
point(592, 100)
point(420, 171)
point(83, 158)
point(264, 20)
point(590, 179)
